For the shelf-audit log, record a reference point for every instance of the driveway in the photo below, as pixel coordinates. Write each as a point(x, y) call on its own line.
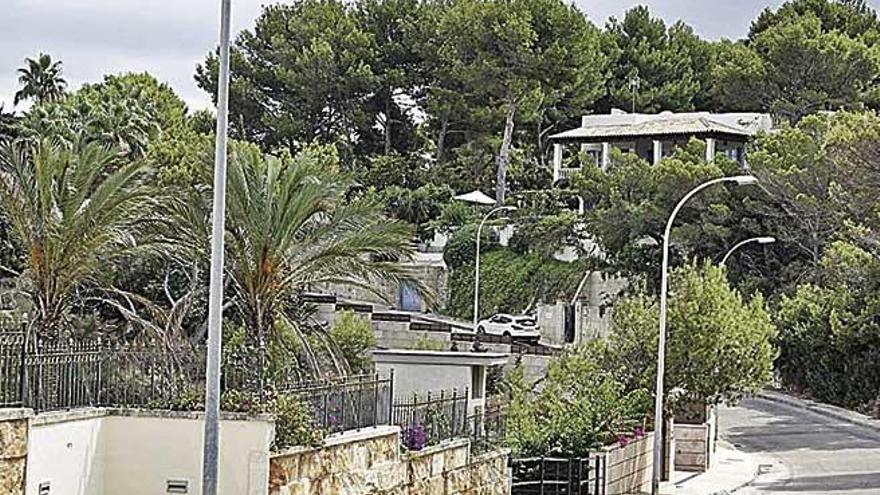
point(811, 454)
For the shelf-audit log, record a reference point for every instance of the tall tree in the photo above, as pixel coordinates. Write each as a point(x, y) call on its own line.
point(655, 68)
point(395, 28)
point(126, 111)
point(74, 211)
point(300, 76)
point(40, 80)
point(795, 67)
point(854, 18)
point(511, 56)
point(290, 226)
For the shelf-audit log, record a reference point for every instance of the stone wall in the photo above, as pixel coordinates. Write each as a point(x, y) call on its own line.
point(370, 463)
point(628, 469)
point(13, 450)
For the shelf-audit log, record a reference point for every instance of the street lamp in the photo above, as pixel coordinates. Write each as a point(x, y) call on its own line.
point(211, 440)
point(759, 240)
point(477, 265)
point(740, 180)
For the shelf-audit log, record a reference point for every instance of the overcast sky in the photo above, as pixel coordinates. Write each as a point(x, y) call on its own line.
point(169, 37)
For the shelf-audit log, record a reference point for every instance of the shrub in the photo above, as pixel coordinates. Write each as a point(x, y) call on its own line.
point(354, 336)
point(425, 343)
point(582, 407)
point(294, 424)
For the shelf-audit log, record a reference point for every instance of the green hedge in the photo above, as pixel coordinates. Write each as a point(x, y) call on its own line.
point(511, 282)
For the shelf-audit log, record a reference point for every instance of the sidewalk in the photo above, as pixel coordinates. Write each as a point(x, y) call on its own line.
point(732, 471)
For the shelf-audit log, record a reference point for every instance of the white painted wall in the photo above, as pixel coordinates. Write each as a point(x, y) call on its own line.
point(420, 378)
point(136, 455)
point(66, 454)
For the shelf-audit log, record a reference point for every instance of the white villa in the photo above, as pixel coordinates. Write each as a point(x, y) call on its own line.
point(653, 136)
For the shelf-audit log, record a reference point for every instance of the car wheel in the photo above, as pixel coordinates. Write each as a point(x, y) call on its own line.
point(481, 330)
point(506, 335)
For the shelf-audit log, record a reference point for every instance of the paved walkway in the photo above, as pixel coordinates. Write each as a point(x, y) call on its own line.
point(733, 469)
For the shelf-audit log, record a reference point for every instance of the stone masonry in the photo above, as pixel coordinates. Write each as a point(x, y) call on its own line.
point(370, 463)
point(13, 450)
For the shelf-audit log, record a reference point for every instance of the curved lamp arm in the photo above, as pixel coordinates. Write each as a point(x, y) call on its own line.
point(759, 240)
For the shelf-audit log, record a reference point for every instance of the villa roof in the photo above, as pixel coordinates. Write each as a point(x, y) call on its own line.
point(625, 125)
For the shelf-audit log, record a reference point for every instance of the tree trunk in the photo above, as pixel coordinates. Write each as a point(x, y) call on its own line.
point(441, 138)
point(388, 123)
point(504, 153)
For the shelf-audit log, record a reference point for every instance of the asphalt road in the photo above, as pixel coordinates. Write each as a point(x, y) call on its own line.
point(809, 453)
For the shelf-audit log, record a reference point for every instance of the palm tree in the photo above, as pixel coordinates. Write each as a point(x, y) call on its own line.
point(289, 228)
point(40, 79)
point(74, 210)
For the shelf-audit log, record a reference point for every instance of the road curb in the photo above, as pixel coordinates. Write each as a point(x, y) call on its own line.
point(826, 410)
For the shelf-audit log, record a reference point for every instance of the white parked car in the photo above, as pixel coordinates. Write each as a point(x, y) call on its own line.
point(515, 327)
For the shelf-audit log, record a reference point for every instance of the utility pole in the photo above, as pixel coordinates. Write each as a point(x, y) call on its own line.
point(211, 450)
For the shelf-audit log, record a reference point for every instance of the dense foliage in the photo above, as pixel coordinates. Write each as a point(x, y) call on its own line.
point(829, 336)
point(718, 344)
point(581, 407)
point(512, 283)
point(354, 336)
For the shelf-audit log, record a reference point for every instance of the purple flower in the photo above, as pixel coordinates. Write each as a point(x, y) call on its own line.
point(640, 432)
point(332, 420)
point(623, 439)
point(415, 437)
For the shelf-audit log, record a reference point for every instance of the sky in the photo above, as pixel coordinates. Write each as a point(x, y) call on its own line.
point(168, 38)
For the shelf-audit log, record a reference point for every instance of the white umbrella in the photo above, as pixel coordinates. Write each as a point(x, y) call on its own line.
point(476, 197)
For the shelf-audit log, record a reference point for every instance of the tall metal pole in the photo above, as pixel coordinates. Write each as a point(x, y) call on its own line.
point(661, 345)
point(477, 262)
point(759, 240)
point(211, 452)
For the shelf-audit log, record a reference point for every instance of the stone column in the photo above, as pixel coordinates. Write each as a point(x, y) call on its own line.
point(606, 156)
point(557, 161)
point(658, 151)
point(14, 426)
point(710, 150)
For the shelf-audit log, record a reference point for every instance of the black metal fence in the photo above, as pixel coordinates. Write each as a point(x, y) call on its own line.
point(351, 403)
point(558, 476)
point(68, 374)
point(442, 415)
point(487, 430)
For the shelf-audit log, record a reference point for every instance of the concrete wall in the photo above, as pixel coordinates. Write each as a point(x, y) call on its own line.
point(628, 469)
point(368, 463)
point(421, 378)
point(110, 451)
point(13, 450)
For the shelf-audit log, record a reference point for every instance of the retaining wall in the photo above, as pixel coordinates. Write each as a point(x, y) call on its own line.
point(369, 463)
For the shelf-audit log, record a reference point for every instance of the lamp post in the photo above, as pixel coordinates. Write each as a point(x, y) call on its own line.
point(759, 240)
point(477, 264)
point(740, 180)
point(211, 441)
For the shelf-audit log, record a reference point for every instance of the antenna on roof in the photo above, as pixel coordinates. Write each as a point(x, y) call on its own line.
point(634, 83)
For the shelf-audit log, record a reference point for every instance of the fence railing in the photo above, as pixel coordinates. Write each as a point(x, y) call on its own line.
point(68, 374)
point(487, 430)
point(558, 476)
point(441, 416)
